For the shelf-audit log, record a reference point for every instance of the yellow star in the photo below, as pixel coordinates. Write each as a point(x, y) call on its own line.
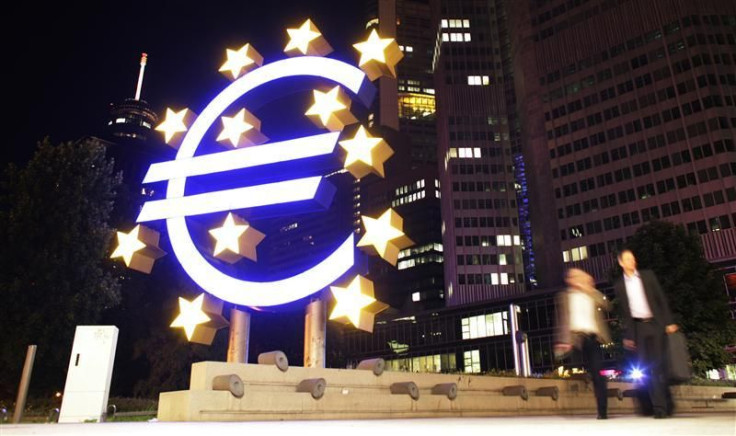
point(139, 248)
point(202, 320)
point(331, 109)
point(241, 61)
point(366, 154)
point(378, 56)
point(190, 315)
point(325, 103)
point(175, 122)
point(385, 235)
point(236, 239)
point(128, 244)
point(307, 40)
point(242, 129)
point(353, 301)
point(227, 235)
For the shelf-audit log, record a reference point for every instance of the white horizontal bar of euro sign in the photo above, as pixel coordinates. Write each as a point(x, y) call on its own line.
point(231, 199)
point(249, 157)
point(345, 74)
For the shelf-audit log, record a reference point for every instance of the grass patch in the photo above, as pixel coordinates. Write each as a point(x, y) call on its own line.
point(126, 404)
point(135, 418)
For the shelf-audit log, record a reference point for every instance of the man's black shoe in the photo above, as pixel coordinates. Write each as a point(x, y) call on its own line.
point(602, 416)
point(660, 415)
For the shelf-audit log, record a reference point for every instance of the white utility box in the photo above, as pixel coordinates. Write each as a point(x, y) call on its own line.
point(90, 371)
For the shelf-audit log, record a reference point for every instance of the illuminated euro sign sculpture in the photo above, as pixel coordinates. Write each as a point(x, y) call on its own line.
point(342, 81)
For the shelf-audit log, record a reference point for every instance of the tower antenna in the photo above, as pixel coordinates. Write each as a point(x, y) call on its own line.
point(144, 58)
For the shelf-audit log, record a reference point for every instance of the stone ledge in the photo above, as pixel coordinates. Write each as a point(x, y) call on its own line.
point(271, 394)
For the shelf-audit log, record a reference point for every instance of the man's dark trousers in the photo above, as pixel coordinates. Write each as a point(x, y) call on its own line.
point(592, 355)
point(650, 347)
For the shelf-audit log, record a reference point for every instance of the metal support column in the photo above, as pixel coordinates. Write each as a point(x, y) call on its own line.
point(514, 327)
point(519, 343)
point(237, 349)
point(25, 380)
point(315, 334)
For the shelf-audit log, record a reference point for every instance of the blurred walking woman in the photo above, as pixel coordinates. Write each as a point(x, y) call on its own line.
point(582, 325)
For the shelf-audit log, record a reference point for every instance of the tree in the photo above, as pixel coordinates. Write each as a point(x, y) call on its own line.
point(151, 356)
point(694, 289)
point(54, 266)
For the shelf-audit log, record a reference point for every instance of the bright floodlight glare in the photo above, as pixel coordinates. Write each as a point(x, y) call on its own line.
point(636, 374)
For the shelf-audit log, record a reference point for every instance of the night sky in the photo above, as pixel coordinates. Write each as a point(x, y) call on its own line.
point(70, 60)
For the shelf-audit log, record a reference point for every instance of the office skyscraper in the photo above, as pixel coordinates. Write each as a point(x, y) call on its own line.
point(483, 241)
point(454, 75)
point(628, 114)
point(405, 114)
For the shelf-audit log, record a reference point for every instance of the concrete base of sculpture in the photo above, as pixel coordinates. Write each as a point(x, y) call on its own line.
point(270, 393)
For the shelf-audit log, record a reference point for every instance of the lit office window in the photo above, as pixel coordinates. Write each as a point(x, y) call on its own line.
point(483, 326)
point(479, 80)
point(404, 264)
point(503, 240)
point(471, 361)
point(466, 152)
point(577, 253)
point(415, 106)
point(456, 37)
point(455, 23)
point(432, 363)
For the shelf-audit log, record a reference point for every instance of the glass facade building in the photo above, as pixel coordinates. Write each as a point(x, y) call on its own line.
point(470, 339)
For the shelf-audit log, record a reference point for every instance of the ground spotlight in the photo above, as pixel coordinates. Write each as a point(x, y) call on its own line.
point(636, 374)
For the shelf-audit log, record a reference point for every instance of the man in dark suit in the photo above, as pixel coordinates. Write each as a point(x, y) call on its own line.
point(647, 319)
